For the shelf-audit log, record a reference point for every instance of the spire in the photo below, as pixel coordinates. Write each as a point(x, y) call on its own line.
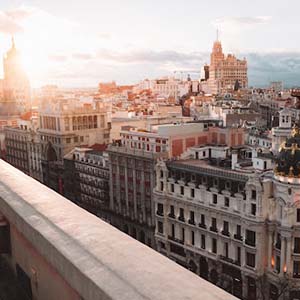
point(217, 34)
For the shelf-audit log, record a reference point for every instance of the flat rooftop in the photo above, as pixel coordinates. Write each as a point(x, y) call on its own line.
point(204, 164)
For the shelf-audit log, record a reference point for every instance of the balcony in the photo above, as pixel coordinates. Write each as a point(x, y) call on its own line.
point(278, 245)
point(191, 222)
point(202, 225)
point(226, 233)
point(171, 215)
point(66, 247)
point(160, 213)
point(181, 218)
point(230, 260)
point(238, 237)
point(250, 242)
point(213, 228)
point(172, 238)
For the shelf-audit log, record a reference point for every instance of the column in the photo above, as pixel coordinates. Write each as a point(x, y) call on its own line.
point(270, 249)
point(282, 255)
point(289, 268)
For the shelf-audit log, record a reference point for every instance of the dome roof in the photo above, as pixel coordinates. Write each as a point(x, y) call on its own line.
point(288, 159)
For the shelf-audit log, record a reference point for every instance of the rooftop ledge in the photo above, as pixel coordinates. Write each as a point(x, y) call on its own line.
point(96, 260)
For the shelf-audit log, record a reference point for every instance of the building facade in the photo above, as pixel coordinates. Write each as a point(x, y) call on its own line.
point(86, 180)
point(226, 72)
point(23, 147)
point(66, 124)
point(232, 220)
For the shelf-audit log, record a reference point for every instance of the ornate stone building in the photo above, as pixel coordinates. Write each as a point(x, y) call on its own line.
point(232, 222)
point(226, 72)
point(66, 124)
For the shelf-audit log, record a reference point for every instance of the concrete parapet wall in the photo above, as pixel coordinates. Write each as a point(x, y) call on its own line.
point(84, 256)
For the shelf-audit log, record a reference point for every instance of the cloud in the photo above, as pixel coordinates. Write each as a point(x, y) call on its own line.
point(151, 56)
point(20, 13)
point(82, 56)
point(10, 20)
point(58, 57)
point(8, 25)
point(236, 24)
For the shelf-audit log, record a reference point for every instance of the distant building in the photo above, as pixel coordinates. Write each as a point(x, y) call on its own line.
point(66, 124)
point(226, 71)
point(133, 159)
point(86, 180)
point(16, 142)
point(276, 86)
point(23, 147)
point(16, 87)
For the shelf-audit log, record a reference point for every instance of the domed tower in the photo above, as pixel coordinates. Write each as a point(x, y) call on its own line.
point(16, 86)
point(283, 131)
point(217, 53)
point(288, 160)
point(283, 223)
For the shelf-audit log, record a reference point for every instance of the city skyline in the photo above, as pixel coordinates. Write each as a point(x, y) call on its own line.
point(61, 45)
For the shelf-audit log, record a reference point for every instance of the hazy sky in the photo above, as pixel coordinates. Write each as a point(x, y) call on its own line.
point(79, 43)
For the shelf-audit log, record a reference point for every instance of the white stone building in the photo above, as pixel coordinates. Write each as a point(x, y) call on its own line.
point(233, 221)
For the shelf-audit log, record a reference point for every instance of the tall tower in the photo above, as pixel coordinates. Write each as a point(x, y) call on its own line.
point(16, 87)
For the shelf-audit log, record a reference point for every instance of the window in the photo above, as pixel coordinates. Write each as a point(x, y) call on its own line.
point(202, 221)
point(225, 228)
point(296, 272)
point(182, 235)
point(160, 209)
point(181, 214)
point(297, 245)
point(250, 260)
point(192, 217)
point(202, 241)
point(172, 212)
point(278, 241)
point(238, 255)
point(68, 140)
point(213, 224)
point(226, 202)
point(277, 266)
point(81, 139)
point(215, 198)
point(226, 251)
point(253, 194)
point(298, 214)
point(192, 237)
point(182, 190)
point(250, 238)
point(192, 193)
point(161, 186)
point(160, 227)
point(253, 209)
point(214, 246)
point(172, 188)
point(238, 234)
point(161, 174)
point(173, 231)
